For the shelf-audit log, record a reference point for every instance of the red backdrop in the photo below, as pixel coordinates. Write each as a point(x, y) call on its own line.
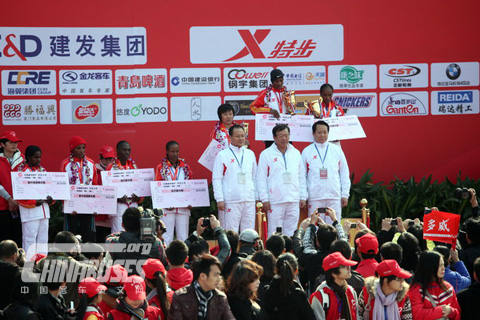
point(375, 32)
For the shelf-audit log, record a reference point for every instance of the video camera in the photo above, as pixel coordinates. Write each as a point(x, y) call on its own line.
point(462, 193)
point(149, 222)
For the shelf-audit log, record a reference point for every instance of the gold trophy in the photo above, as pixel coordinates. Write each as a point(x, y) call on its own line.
point(289, 101)
point(260, 218)
point(365, 212)
point(316, 107)
point(245, 128)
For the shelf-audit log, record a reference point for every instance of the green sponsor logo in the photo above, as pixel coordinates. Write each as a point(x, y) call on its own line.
point(136, 110)
point(351, 75)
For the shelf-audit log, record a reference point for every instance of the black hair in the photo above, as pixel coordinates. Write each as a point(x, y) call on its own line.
point(160, 284)
point(30, 152)
point(366, 256)
point(177, 252)
point(65, 237)
point(320, 123)
point(417, 231)
point(472, 229)
point(427, 270)
point(120, 143)
point(326, 86)
point(267, 260)
point(411, 250)
point(280, 127)
point(286, 267)
point(275, 244)
point(391, 250)
point(170, 144)
point(83, 303)
point(445, 252)
point(235, 126)
point(343, 247)
point(223, 108)
point(131, 219)
point(92, 250)
point(232, 237)
point(388, 278)
point(288, 243)
point(204, 264)
point(196, 248)
point(326, 234)
point(7, 249)
point(329, 276)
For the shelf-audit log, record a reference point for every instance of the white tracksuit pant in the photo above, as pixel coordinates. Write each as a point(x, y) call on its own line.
point(176, 219)
point(284, 215)
point(34, 232)
point(335, 204)
point(238, 216)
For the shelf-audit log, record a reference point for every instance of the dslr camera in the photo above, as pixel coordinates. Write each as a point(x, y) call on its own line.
point(462, 194)
point(149, 223)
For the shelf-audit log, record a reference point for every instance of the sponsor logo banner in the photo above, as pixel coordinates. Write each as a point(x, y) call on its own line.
point(246, 79)
point(414, 103)
point(87, 111)
point(266, 44)
point(455, 74)
point(29, 112)
point(241, 105)
point(194, 108)
point(85, 82)
point(29, 83)
point(361, 105)
point(353, 77)
point(190, 80)
point(304, 78)
point(455, 102)
point(394, 76)
point(135, 81)
point(141, 110)
point(72, 46)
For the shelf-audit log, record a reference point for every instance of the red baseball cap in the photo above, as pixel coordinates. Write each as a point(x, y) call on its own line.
point(135, 288)
point(390, 267)
point(10, 136)
point(107, 152)
point(367, 243)
point(116, 275)
point(76, 141)
point(91, 287)
point(151, 266)
point(336, 259)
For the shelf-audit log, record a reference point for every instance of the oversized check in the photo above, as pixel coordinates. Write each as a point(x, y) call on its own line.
point(128, 182)
point(38, 185)
point(180, 193)
point(89, 199)
point(344, 128)
point(300, 127)
point(208, 157)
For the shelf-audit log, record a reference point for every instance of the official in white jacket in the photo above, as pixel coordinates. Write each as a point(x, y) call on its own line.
point(233, 181)
point(328, 181)
point(281, 182)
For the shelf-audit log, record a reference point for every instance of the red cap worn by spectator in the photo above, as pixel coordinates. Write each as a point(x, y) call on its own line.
point(116, 275)
point(151, 266)
point(336, 259)
point(10, 136)
point(76, 141)
point(91, 287)
point(135, 288)
point(390, 267)
point(107, 152)
point(367, 243)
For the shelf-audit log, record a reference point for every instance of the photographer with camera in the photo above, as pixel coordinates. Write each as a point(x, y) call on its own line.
point(10, 257)
point(213, 224)
point(139, 229)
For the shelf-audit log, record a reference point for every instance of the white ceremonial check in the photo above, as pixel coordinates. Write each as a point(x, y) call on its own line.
point(208, 157)
point(300, 127)
point(344, 128)
point(39, 185)
point(89, 199)
point(128, 182)
point(180, 193)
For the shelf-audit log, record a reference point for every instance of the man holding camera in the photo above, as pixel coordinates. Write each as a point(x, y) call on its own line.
point(328, 181)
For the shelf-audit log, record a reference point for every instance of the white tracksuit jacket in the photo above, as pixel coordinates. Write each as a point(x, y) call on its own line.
point(270, 176)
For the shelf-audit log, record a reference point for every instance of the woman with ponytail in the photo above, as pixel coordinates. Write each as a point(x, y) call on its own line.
point(285, 298)
point(160, 295)
point(90, 293)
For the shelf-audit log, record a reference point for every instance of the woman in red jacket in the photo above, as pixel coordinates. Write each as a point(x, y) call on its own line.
point(90, 292)
point(430, 296)
point(160, 295)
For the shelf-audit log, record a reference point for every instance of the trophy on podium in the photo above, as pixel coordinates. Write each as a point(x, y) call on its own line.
point(365, 212)
point(261, 222)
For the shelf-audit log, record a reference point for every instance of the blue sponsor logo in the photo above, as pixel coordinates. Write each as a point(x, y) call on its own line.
point(455, 97)
point(175, 81)
point(29, 77)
